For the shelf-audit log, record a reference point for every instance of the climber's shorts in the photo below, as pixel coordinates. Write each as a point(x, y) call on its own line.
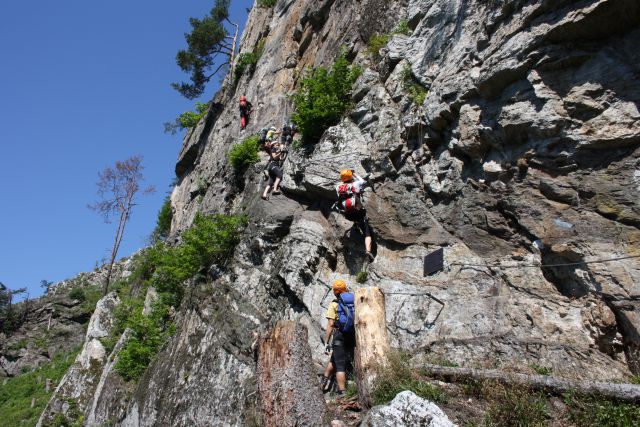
point(274, 172)
point(359, 217)
point(342, 355)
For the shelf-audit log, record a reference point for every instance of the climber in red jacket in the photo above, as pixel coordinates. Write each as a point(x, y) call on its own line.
point(245, 111)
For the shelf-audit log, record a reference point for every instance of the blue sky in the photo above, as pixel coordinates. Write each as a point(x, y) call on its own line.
point(83, 84)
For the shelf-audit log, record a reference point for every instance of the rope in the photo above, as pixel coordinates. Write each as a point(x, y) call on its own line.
point(595, 261)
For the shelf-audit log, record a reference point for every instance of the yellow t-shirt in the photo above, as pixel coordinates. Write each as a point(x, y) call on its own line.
point(332, 311)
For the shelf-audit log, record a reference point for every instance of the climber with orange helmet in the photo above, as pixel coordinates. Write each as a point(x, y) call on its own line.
point(245, 111)
point(349, 204)
point(341, 318)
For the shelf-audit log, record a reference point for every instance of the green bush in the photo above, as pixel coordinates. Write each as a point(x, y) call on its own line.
point(362, 276)
point(77, 293)
point(267, 3)
point(398, 376)
point(323, 96)
point(163, 222)
point(245, 154)
point(246, 62)
point(210, 239)
point(188, 119)
point(377, 42)
point(16, 394)
point(402, 28)
point(416, 92)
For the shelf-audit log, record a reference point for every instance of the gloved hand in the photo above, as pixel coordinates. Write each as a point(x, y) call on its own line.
point(327, 349)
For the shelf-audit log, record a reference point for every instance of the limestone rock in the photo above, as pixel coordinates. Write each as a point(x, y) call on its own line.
point(407, 409)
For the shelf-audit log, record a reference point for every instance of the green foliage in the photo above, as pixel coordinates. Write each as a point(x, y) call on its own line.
point(188, 119)
point(17, 393)
point(260, 46)
point(210, 239)
point(77, 293)
point(514, 406)
point(267, 3)
point(246, 62)
point(362, 277)
point(245, 154)
point(398, 376)
point(590, 411)
point(206, 40)
point(635, 379)
point(416, 92)
point(148, 334)
point(540, 370)
point(163, 222)
point(323, 96)
point(377, 42)
point(402, 28)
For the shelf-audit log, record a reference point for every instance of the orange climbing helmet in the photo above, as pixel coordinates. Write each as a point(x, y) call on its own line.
point(346, 175)
point(339, 286)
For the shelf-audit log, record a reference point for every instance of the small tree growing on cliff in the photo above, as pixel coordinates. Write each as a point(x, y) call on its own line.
point(208, 40)
point(118, 187)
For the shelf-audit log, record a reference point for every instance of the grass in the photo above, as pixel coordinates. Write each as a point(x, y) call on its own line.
point(412, 87)
point(245, 154)
point(362, 277)
point(514, 406)
point(376, 43)
point(540, 370)
point(590, 411)
point(17, 394)
point(398, 376)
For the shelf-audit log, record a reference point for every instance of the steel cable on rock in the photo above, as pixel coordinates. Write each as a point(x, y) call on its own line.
point(569, 264)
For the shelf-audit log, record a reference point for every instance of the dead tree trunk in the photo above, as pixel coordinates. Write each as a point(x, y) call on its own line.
point(624, 392)
point(372, 340)
point(289, 389)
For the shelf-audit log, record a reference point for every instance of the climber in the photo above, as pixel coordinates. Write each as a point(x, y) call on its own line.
point(350, 205)
point(245, 111)
point(288, 131)
point(341, 317)
point(277, 156)
point(272, 134)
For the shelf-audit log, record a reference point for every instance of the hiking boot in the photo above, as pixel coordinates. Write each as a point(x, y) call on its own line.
point(370, 257)
point(326, 384)
point(276, 192)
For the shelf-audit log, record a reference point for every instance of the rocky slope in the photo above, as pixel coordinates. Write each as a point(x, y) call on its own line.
point(524, 153)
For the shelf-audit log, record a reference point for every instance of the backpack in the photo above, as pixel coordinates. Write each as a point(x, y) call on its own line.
point(347, 197)
point(263, 135)
point(346, 312)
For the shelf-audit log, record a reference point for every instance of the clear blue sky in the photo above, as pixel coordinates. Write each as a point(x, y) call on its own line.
point(83, 84)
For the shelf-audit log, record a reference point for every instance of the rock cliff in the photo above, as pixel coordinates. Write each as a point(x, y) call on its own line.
point(522, 162)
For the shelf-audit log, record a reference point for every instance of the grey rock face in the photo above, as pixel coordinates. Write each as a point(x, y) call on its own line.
point(522, 163)
point(407, 409)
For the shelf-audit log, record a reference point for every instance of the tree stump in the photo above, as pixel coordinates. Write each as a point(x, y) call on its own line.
point(289, 388)
point(372, 340)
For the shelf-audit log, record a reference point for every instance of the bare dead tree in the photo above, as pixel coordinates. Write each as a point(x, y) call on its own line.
point(118, 187)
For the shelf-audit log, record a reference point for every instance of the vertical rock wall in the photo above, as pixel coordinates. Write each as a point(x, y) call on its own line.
point(524, 153)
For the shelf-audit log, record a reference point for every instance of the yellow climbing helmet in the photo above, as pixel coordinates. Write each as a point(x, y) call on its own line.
point(339, 286)
point(346, 175)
